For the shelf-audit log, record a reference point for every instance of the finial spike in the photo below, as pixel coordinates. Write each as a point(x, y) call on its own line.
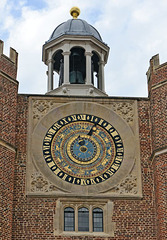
point(75, 12)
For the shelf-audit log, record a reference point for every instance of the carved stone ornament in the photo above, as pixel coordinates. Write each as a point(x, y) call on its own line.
point(128, 185)
point(40, 184)
point(40, 108)
point(125, 110)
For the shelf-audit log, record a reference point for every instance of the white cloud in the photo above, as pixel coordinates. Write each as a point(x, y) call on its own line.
point(133, 29)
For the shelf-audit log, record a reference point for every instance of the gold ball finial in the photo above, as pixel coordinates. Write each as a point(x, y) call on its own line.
point(75, 11)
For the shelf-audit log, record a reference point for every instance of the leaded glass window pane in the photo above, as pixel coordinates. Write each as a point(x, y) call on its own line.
point(83, 220)
point(69, 219)
point(97, 220)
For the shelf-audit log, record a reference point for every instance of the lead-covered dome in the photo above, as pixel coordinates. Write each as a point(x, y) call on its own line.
point(77, 27)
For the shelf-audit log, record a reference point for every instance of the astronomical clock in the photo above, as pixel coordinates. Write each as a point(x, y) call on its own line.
point(83, 149)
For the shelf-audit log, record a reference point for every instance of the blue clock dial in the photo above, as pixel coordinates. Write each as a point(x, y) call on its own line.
point(83, 149)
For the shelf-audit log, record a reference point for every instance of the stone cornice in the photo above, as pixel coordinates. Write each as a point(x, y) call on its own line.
point(7, 145)
point(159, 84)
point(157, 153)
point(8, 77)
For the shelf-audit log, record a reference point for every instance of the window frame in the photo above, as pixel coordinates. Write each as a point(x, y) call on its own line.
point(76, 204)
point(73, 225)
point(87, 216)
point(93, 218)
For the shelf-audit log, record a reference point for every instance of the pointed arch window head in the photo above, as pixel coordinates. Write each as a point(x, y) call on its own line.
point(97, 220)
point(83, 219)
point(69, 219)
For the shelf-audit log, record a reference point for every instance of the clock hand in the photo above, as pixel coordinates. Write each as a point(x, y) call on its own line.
point(93, 129)
point(81, 141)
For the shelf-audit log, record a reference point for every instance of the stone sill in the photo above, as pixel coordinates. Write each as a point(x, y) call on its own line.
point(79, 234)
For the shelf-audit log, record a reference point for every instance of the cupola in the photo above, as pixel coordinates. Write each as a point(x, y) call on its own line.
point(76, 52)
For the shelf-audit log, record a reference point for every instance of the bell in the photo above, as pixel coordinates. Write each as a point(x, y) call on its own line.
point(76, 77)
point(77, 67)
point(75, 54)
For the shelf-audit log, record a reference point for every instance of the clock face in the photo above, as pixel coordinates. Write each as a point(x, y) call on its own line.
point(83, 149)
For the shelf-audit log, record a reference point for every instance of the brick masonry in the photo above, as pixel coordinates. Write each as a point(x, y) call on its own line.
point(31, 218)
point(158, 118)
point(8, 105)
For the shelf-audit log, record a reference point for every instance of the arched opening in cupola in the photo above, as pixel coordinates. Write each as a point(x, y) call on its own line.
point(77, 73)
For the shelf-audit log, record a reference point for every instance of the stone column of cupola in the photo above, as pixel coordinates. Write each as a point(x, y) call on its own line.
point(88, 67)
point(101, 84)
point(66, 55)
point(50, 63)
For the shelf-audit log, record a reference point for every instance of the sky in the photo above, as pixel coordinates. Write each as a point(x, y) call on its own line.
point(135, 30)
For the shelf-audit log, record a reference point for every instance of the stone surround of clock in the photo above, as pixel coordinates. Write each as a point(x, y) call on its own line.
point(109, 161)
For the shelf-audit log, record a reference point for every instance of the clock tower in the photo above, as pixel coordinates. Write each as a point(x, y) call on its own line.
point(82, 146)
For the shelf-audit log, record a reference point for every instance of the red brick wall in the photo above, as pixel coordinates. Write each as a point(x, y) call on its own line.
point(7, 158)
point(8, 104)
point(158, 118)
point(158, 73)
point(8, 67)
point(160, 173)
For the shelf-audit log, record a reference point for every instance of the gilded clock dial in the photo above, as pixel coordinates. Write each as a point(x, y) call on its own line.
point(83, 149)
